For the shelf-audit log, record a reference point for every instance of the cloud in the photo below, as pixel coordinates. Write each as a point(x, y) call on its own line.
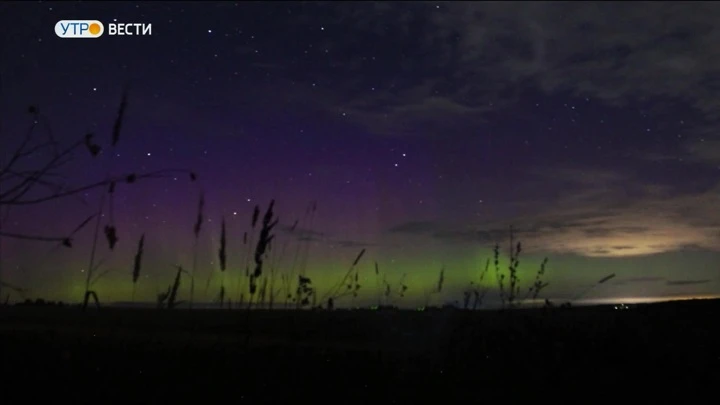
point(352, 244)
point(448, 233)
point(309, 238)
point(620, 216)
point(461, 60)
point(298, 230)
point(414, 227)
point(638, 280)
point(421, 112)
point(615, 230)
point(704, 151)
point(687, 282)
point(302, 234)
point(626, 211)
point(309, 235)
point(612, 51)
point(472, 236)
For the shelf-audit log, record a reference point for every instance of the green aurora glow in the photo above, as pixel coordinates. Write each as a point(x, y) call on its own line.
point(568, 275)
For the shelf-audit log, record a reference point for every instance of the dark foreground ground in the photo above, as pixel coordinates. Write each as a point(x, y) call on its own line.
point(661, 351)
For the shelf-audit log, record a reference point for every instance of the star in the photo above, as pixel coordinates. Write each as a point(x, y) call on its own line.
point(288, 121)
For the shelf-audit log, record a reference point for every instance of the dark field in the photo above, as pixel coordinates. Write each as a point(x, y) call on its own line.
point(656, 351)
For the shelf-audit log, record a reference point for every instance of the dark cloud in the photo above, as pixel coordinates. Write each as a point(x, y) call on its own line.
point(352, 244)
point(695, 247)
point(598, 231)
point(309, 238)
point(440, 231)
point(415, 227)
point(616, 230)
point(638, 280)
point(448, 233)
point(472, 236)
point(687, 282)
point(609, 51)
point(309, 235)
point(704, 150)
point(591, 222)
point(542, 225)
point(434, 115)
point(299, 231)
point(302, 234)
point(613, 51)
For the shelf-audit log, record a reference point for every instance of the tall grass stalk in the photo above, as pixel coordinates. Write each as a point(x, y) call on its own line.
point(301, 239)
point(438, 287)
point(509, 296)
point(585, 292)
point(401, 289)
point(378, 284)
point(301, 253)
point(480, 291)
point(93, 250)
point(278, 260)
point(222, 257)
point(348, 285)
point(110, 231)
point(265, 238)
point(137, 265)
point(173, 291)
point(248, 240)
point(499, 276)
point(514, 263)
point(196, 232)
point(308, 241)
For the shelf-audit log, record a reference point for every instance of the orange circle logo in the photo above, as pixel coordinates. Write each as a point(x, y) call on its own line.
point(94, 28)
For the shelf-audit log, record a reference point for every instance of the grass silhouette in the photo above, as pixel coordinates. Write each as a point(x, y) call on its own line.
point(264, 263)
point(196, 237)
point(137, 265)
point(26, 183)
point(457, 347)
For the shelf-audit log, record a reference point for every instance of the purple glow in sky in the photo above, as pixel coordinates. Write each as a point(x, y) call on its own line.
point(422, 130)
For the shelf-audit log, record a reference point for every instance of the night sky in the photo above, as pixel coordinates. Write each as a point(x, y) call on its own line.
point(422, 130)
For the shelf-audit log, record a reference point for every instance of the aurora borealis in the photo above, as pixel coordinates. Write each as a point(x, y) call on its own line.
point(422, 130)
